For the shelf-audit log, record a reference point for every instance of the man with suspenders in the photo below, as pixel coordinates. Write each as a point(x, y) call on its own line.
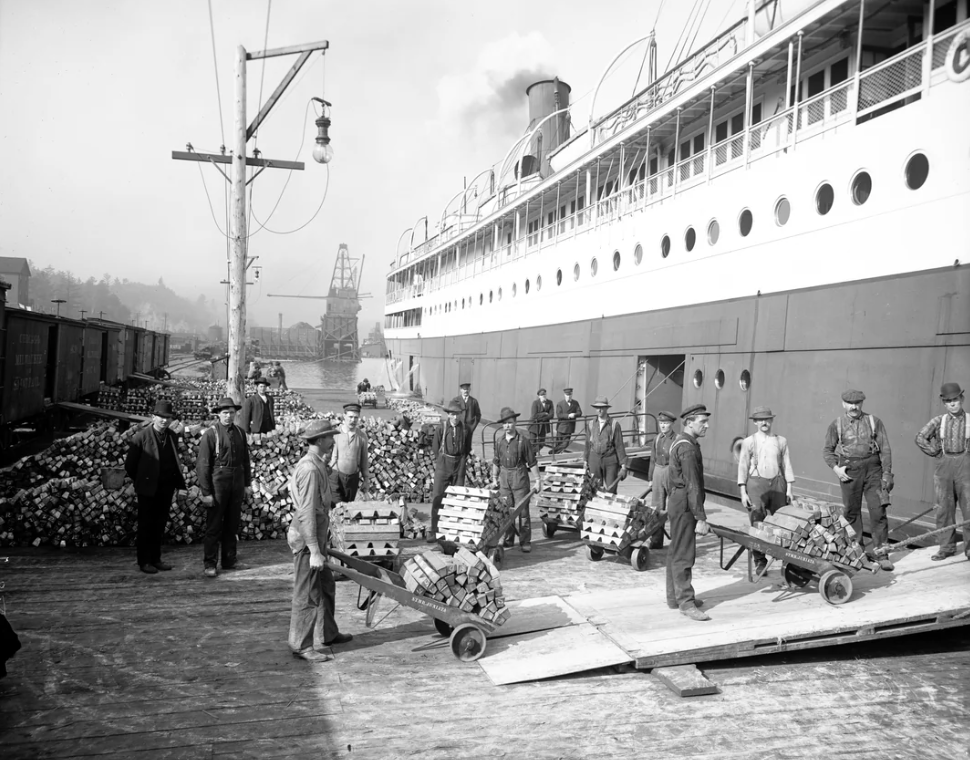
point(447, 447)
point(605, 453)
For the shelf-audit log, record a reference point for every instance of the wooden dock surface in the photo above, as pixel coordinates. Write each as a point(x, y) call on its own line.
point(120, 664)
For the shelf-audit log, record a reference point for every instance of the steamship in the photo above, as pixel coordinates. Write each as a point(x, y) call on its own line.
point(780, 216)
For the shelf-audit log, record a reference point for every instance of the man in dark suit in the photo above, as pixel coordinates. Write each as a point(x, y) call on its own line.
point(567, 412)
point(540, 416)
point(154, 467)
point(258, 413)
point(471, 415)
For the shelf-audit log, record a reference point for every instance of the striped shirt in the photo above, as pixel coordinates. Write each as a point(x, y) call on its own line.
point(952, 439)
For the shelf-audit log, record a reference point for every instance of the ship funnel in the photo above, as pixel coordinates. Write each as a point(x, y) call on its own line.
point(545, 98)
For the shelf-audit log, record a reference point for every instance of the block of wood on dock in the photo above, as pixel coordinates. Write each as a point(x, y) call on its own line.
point(565, 490)
point(471, 516)
point(366, 529)
point(467, 580)
point(614, 521)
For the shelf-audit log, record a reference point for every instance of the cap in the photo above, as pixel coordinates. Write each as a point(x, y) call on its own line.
point(853, 397)
point(949, 391)
point(318, 429)
point(762, 413)
point(567, 390)
point(666, 416)
point(464, 385)
point(696, 410)
point(262, 381)
point(164, 409)
point(541, 392)
point(225, 403)
point(452, 407)
point(353, 406)
point(601, 402)
point(507, 414)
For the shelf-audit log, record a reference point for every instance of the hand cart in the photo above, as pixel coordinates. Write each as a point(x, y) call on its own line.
point(798, 569)
point(635, 550)
point(550, 523)
point(491, 543)
point(467, 632)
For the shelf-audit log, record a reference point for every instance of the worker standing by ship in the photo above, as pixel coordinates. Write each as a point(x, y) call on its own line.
point(471, 415)
point(348, 462)
point(765, 474)
point(946, 438)
point(567, 412)
point(605, 453)
point(447, 446)
point(661, 461)
point(258, 412)
point(514, 457)
point(685, 508)
point(541, 414)
point(857, 449)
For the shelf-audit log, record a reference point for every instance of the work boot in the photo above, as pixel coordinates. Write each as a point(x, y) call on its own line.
point(162, 565)
point(430, 538)
point(885, 563)
point(526, 548)
point(312, 655)
point(943, 554)
point(694, 614)
point(675, 606)
point(211, 572)
point(150, 569)
point(760, 566)
point(340, 638)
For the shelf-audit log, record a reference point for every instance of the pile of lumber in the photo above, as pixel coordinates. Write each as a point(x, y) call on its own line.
point(815, 528)
point(109, 397)
point(467, 581)
point(614, 521)
point(472, 516)
point(366, 529)
point(565, 490)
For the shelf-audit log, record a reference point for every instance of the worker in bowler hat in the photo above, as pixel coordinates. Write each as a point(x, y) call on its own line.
point(605, 453)
point(513, 459)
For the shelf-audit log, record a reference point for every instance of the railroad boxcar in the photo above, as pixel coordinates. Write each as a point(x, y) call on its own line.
point(94, 368)
point(28, 364)
point(70, 357)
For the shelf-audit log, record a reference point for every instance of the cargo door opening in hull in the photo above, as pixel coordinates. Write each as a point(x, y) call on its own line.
point(659, 387)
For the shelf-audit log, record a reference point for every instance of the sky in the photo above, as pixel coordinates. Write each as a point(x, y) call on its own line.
point(96, 94)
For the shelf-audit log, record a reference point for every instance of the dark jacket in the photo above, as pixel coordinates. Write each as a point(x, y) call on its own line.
point(446, 448)
point(686, 475)
point(222, 446)
point(541, 414)
point(142, 462)
point(470, 416)
point(256, 415)
point(605, 445)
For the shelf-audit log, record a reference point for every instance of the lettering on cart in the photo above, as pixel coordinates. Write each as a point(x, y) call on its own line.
point(25, 360)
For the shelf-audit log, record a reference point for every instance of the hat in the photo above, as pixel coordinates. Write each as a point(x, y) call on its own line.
point(452, 407)
point(262, 381)
point(853, 397)
point(541, 392)
point(695, 411)
point(567, 390)
point(950, 391)
point(353, 406)
point(507, 414)
point(366, 380)
point(666, 416)
point(762, 413)
point(225, 403)
point(164, 409)
point(601, 402)
point(464, 385)
point(318, 429)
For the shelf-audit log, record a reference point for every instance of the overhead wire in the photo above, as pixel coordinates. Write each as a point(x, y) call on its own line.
point(259, 104)
point(646, 52)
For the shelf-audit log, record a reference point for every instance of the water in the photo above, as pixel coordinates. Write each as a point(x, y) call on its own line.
point(327, 386)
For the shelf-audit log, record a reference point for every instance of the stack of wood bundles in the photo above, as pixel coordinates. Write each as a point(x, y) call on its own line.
point(472, 516)
point(614, 521)
point(367, 529)
point(109, 398)
point(815, 528)
point(467, 581)
point(565, 491)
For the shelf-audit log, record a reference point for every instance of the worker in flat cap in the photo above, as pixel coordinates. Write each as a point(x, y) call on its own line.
point(471, 415)
point(513, 459)
point(348, 460)
point(661, 460)
point(946, 438)
point(685, 510)
point(567, 412)
point(225, 477)
point(258, 413)
point(765, 475)
point(605, 453)
point(541, 414)
point(447, 447)
point(857, 449)
point(312, 622)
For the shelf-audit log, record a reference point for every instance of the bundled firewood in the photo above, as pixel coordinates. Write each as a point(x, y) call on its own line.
point(467, 581)
point(615, 521)
point(565, 491)
point(368, 529)
point(815, 528)
point(472, 516)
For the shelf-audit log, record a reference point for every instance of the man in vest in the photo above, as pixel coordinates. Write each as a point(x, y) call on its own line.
point(765, 474)
point(514, 457)
point(605, 453)
point(567, 412)
point(224, 474)
point(258, 411)
point(946, 438)
point(446, 448)
point(348, 462)
point(685, 509)
point(857, 449)
point(541, 414)
point(471, 415)
point(661, 460)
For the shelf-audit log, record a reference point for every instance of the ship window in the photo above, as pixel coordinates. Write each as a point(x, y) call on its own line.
point(575, 272)
point(690, 239)
point(665, 246)
point(745, 381)
point(527, 287)
point(515, 289)
point(558, 277)
point(698, 378)
point(861, 188)
point(917, 170)
point(539, 282)
point(719, 379)
point(490, 293)
point(463, 303)
point(593, 268)
point(745, 221)
point(499, 294)
point(638, 254)
point(481, 298)
point(839, 72)
point(713, 232)
point(824, 199)
point(782, 211)
point(616, 260)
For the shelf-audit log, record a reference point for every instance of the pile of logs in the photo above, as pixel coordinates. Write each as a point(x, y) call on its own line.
point(467, 581)
point(815, 528)
point(613, 521)
point(366, 529)
point(472, 516)
point(565, 491)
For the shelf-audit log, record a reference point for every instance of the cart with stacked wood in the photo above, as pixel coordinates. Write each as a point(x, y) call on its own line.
point(621, 525)
point(477, 518)
point(566, 487)
point(368, 530)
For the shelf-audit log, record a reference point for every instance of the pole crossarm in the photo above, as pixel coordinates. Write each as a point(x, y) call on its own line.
point(307, 47)
point(277, 93)
point(216, 158)
point(278, 295)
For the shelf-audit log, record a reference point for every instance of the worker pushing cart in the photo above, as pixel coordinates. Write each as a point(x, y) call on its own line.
point(514, 457)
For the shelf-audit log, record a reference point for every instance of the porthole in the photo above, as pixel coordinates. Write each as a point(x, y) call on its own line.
point(490, 294)
point(538, 282)
point(713, 232)
point(690, 239)
point(499, 294)
point(719, 379)
point(558, 277)
point(462, 303)
point(917, 170)
point(527, 287)
point(745, 381)
point(515, 289)
point(665, 246)
point(481, 298)
point(824, 198)
point(616, 260)
point(575, 272)
point(698, 378)
point(745, 222)
point(782, 211)
point(861, 188)
point(638, 254)
point(593, 267)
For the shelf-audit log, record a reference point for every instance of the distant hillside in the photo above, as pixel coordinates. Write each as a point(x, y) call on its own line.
point(120, 301)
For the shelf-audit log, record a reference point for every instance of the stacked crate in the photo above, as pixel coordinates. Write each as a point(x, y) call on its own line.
point(814, 528)
point(109, 398)
point(467, 581)
point(366, 529)
point(471, 516)
point(565, 491)
point(614, 522)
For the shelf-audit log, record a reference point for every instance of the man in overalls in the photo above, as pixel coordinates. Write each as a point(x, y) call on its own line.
point(661, 460)
point(514, 457)
point(447, 447)
point(605, 453)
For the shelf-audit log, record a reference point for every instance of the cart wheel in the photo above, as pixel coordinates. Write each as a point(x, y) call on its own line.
point(795, 576)
point(548, 529)
point(640, 558)
point(445, 629)
point(496, 555)
point(594, 553)
point(467, 643)
point(835, 587)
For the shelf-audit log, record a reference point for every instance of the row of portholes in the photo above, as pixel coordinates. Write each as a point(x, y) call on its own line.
point(915, 173)
point(744, 379)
